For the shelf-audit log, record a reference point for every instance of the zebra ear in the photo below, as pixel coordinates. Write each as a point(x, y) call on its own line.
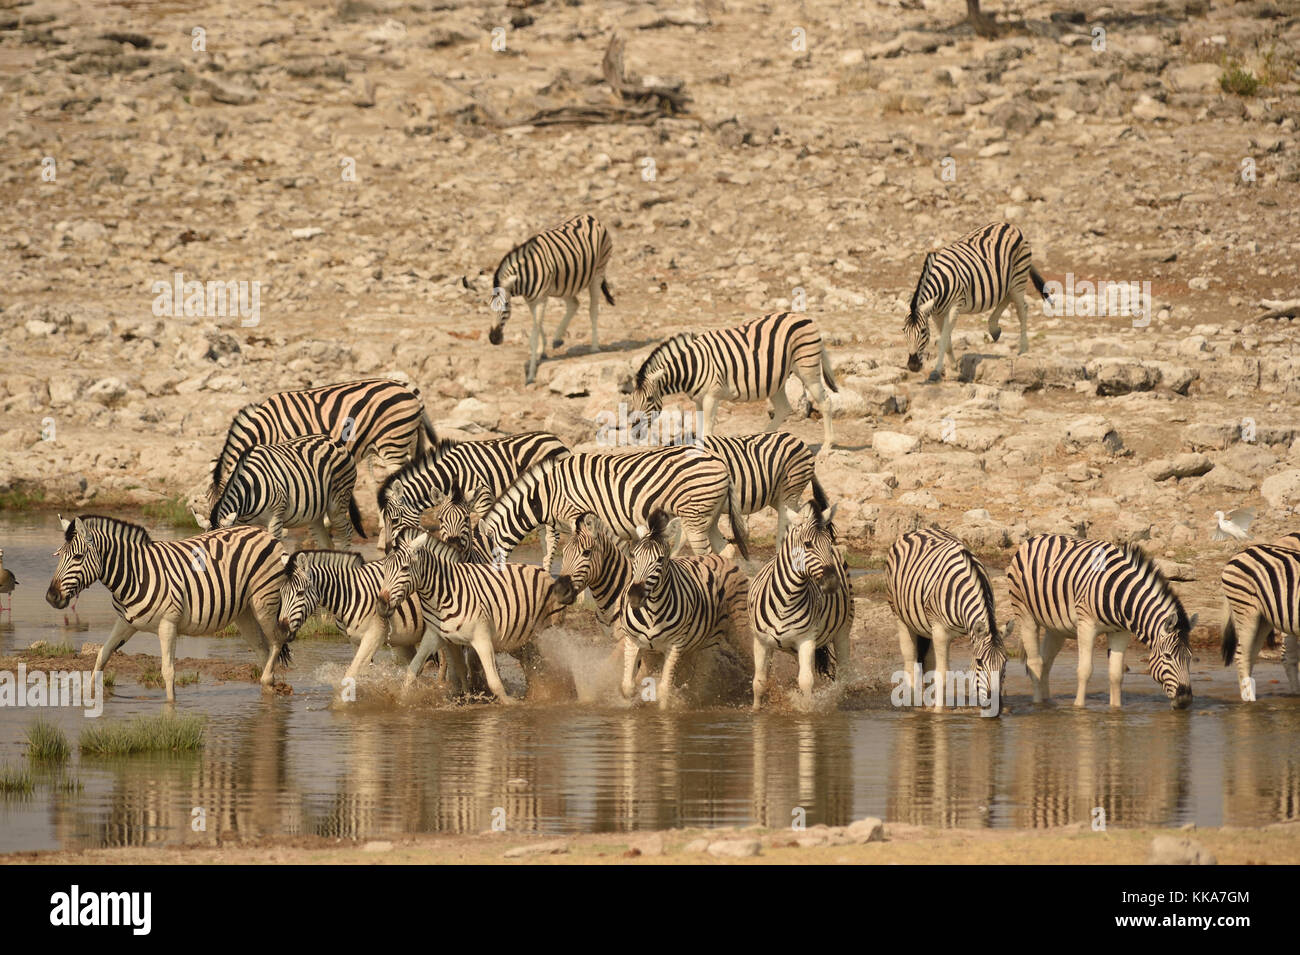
point(284, 559)
point(642, 531)
point(673, 534)
point(79, 526)
point(1191, 624)
point(421, 540)
point(828, 515)
point(64, 525)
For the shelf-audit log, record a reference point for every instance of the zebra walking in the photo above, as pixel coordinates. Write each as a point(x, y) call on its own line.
point(490, 607)
point(985, 269)
point(347, 586)
point(482, 470)
point(767, 470)
point(1261, 586)
point(801, 601)
point(195, 586)
point(296, 483)
point(749, 362)
point(677, 605)
point(558, 263)
point(375, 418)
point(689, 481)
point(1063, 586)
point(938, 589)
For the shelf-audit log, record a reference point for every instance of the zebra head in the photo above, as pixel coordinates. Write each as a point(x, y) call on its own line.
point(809, 547)
point(400, 511)
point(503, 284)
point(299, 594)
point(80, 564)
point(655, 378)
point(236, 497)
point(580, 554)
point(400, 567)
point(246, 429)
point(650, 556)
point(988, 648)
point(450, 522)
point(1171, 655)
point(916, 330)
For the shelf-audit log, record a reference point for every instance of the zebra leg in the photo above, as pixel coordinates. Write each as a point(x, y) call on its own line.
point(430, 644)
point(487, 655)
point(570, 306)
point(1116, 644)
point(995, 329)
point(945, 342)
point(321, 532)
point(762, 667)
point(267, 620)
point(843, 652)
point(167, 640)
point(709, 414)
point(403, 654)
point(631, 655)
point(907, 644)
point(596, 282)
point(1087, 638)
point(807, 648)
point(1052, 643)
point(1030, 635)
point(1250, 636)
point(535, 339)
point(371, 641)
point(122, 631)
point(666, 681)
point(812, 383)
point(941, 640)
point(1023, 311)
point(780, 407)
point(275, 525)
point(1290, 661)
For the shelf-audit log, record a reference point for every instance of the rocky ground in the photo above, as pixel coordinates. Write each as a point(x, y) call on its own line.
point(369, 161)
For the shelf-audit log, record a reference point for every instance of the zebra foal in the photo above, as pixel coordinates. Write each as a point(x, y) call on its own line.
point(1063, 586)
point(1261, 587)
point(938, 589)
point(801, 601)
point(558, 263)
point(984, 269)
point(749, 362)
point(296, 483)
point(195, 586)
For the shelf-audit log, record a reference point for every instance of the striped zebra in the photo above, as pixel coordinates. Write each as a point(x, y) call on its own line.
point(1063, 586)
point(937, 589)
point(749, 362)
point(483, 470)
point(688, 481)
point(295, 483)
point(347, 586)
point(985, 269)
point(194, 587)
point(676, 605)
point(1261, 586)
point(801, 601)
point(490, 607)
point(558, 263)
point(592, 559)
point(452, 522)
point(767, 470)
point(375, 418)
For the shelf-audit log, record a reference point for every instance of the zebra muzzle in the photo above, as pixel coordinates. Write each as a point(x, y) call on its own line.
point(1182, 697)
point(55, 598)
point(913, 362)
point(496, 335)
point(636, 595)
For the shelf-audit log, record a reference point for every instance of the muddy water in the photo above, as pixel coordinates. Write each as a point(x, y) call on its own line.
point(301, 765)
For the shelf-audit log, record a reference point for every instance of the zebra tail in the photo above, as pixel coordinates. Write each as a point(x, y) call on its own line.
point(737, 522)
point(427, 439)
point(354, 513)
point(826, 371)
point(1039, 284)
point(286, 653)
point(824, 659)
point(604, 288)
point(1228, 648)
point(923, 645)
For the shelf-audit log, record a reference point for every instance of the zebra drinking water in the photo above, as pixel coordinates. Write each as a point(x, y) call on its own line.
point(558, 263)
point(985, 269)
point(195, 586)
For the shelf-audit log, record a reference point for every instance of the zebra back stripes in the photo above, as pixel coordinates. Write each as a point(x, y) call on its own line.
point(481, 470)
point(747, 362)
point(1062, 584)
point(1261, 586)
point(801, 600)
point(621, 489)
point(984, 269)
point(374, 416)
point(677, 605)
point(767, 470)
point(291, 484)
point(194, 586)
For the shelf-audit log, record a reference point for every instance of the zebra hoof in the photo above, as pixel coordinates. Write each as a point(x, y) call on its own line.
point(557, 342)
point(995, 335)
point(934, 378)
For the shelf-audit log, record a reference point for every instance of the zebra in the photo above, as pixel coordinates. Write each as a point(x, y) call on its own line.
point(291, 484)
point(483, 470)
point(985, 269)
point(592, 559)
point(195, 586)
point(748, 362)
point(1261, 587)
point(801, 600)
point(490, 607)
point(1072, 585)
point(689, 481)
point(676, 605)
point(375, 417)
point(767, 470)
point(346, 585)
point(558, 263)
point(938, 589)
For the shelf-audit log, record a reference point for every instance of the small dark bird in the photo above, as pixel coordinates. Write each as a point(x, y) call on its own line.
point(7, 582)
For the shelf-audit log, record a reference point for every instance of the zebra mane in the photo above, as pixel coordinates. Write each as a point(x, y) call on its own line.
point(438, 449)
point(657, 526)
point(324, 558)
point(986, 592)
point(508, 259)
point(1151, 571)
point(243, 414)
point(647, 366)
point(135, 532)
point(912, 317)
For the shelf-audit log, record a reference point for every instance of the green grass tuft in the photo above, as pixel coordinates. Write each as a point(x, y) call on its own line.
point(172, 512)
point(50, 651)
point(1238, 81)
point(21, 500)
point(149, 734)
point(16, 782)
point(47, 743)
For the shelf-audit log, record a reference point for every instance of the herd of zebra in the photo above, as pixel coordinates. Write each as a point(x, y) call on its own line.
point(452, 512)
